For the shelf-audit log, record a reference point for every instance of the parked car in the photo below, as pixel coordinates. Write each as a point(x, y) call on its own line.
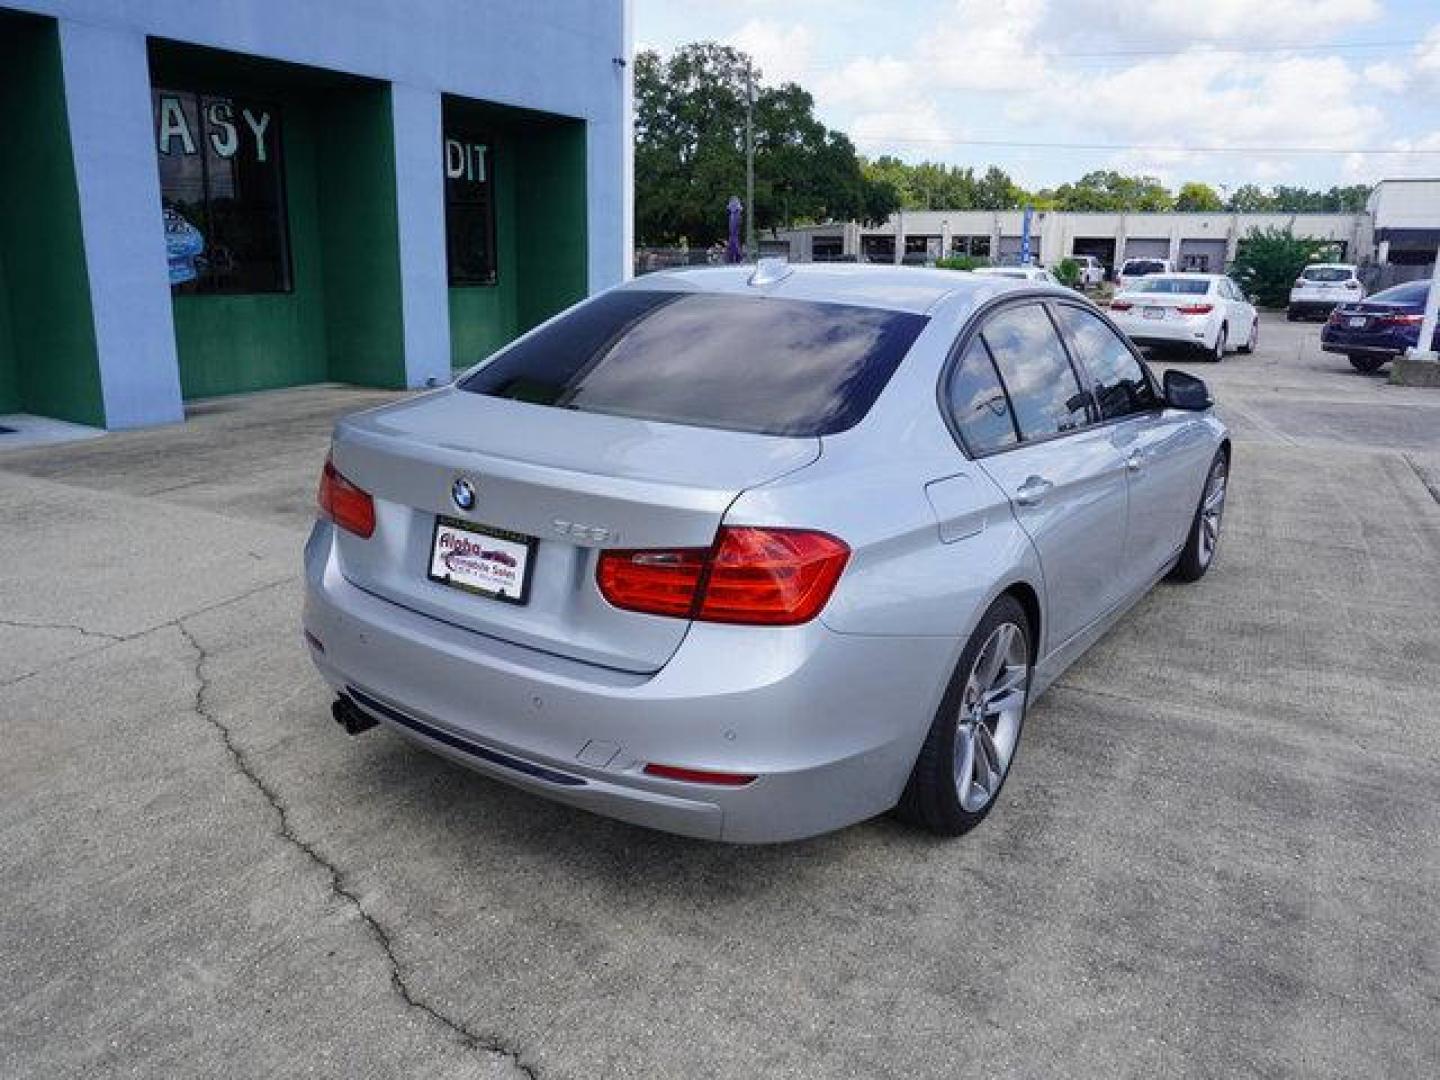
point(768, 581)
point(1320, 287)
point(1204, 312)
point(1092, 271)
point(1019, 273)
point(1132, 270)
point(1374, 331)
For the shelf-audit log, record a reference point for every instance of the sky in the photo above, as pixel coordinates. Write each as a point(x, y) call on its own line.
point(1222, 91)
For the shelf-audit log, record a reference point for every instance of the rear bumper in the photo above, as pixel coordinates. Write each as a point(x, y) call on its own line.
point(830, 723)
point(1338, 339)
point(1166, 333)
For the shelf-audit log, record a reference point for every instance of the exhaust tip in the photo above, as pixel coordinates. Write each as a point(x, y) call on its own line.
point(351, 717)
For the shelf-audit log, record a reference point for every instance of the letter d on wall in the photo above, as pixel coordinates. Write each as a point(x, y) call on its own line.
point(454, 159)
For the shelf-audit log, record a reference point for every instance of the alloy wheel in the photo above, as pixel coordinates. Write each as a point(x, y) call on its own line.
point(1212, 508)
point(991, 710)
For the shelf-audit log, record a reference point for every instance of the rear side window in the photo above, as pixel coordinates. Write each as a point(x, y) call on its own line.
point(1174, 286)
point(1140, 267)
point(979, 405)
point(1120, 383)
point(1325, 273)
point(1044, 393)
point(757, 364)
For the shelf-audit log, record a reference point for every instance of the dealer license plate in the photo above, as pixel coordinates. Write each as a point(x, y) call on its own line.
point(1356, 321)
point(480, 560)
point(1154, 313)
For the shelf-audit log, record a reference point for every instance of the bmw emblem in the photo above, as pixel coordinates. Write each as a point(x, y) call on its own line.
point(463, 492)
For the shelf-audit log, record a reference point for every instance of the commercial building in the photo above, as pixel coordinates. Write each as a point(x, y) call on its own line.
point(205, 198)
point(1401, 224)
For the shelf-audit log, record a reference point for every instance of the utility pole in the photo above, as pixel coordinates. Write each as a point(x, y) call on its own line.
point(749, 161)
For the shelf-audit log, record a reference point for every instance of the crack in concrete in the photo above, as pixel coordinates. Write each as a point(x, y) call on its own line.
point(1420, 475)
point(338, 887)
point(76, 627)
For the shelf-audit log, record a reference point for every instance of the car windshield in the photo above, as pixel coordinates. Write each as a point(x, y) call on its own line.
point(743, 363)
point(1141, 267)
point(1326, 273)
point(1174, 286)
point(1412, 292)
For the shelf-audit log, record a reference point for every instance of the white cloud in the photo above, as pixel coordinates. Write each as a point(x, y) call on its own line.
point(783, 53)
point(986, 44)
point(1243, 23)
point(871, 83)
point(915, 128)
point(1427, 53)
point(1420, 157)
point(1387, 76)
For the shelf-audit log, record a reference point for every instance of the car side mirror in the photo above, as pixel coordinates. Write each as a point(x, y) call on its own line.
point(1184, 391)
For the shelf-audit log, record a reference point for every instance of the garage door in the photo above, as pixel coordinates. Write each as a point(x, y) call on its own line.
point(1202, 256)
point(1142, 248)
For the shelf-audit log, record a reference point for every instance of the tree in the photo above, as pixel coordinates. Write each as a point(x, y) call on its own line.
point(1249, 199)
point(1195, 196)
point(690, 151)
point(1106, 189)
point(1269, 261)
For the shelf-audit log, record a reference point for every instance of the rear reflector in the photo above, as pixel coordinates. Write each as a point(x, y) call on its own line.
point(1196, 309)
point(699, 776)
point(753, 576)
point(344, 503)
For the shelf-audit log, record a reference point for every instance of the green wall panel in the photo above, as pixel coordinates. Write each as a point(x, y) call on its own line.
point(540, 248)
point(10, 400)
point(53, 365)
point(342, 319)
point(361, 238)
point(232, 344)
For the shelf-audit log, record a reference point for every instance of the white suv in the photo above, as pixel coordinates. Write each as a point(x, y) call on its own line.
point(1132, 270)
point(1092, 271)
point(1320, 287)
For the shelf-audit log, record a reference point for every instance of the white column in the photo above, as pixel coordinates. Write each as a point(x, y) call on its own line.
point(899, 237)
point(112, 136)
point(420, 217)
point(1423, 351)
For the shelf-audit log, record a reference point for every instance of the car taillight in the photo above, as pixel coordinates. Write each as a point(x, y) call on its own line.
point(1335, 317)
point(754, 576)
point(344, 503)
point(1120, 305)
point(1352, 284)
point(1400, 320)
point(1196, 309)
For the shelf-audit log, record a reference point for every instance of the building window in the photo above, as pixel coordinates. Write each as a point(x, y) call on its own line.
point(223, 193)
point(978, 246)
point(469, 209)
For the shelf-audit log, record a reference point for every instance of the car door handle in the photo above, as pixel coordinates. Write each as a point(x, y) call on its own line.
point(1033, 491)
point(1136, 461)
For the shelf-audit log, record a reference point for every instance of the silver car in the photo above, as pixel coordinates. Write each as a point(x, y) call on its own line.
point(751, 553)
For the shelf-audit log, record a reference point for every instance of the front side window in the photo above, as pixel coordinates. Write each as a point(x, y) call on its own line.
point(743, 363)
point(1120, 383)
point(1046, 396)
point(469, 207)
point(222, 193)
point(979, 405)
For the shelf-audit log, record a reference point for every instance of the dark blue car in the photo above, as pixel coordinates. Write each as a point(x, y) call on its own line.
point(1373, 331)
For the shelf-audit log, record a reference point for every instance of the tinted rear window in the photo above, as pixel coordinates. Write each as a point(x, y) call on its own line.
point(1173, 286)
point(1325, 273)
point(1412, 292)
point(758, 364)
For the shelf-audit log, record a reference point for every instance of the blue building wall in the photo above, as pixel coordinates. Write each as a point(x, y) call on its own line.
point(561, 57)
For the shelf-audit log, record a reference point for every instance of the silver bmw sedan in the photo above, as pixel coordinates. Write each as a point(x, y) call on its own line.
point(755, 553)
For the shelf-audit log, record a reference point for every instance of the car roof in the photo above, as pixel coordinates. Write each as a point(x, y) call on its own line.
point(899, 288)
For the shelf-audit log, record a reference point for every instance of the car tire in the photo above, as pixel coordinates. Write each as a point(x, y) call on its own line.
point(1204, 537)
point(1217, 351)
point(971, 746)
point(1367, 365)
point(1253, 340)
point(1291, 315)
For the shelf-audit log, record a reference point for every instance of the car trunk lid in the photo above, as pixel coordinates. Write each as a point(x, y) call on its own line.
point(573, 481)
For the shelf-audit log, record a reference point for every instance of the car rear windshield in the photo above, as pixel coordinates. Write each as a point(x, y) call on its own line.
point(1174, 286)
point(1325, 273)
point(1412, 292)
point(1141, 267)
point(757, 364)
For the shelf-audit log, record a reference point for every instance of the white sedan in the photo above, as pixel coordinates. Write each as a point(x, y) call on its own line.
point(1020, 273)
point(1204, 312)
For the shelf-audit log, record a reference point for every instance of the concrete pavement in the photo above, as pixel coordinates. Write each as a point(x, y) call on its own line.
point(1217, 854)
